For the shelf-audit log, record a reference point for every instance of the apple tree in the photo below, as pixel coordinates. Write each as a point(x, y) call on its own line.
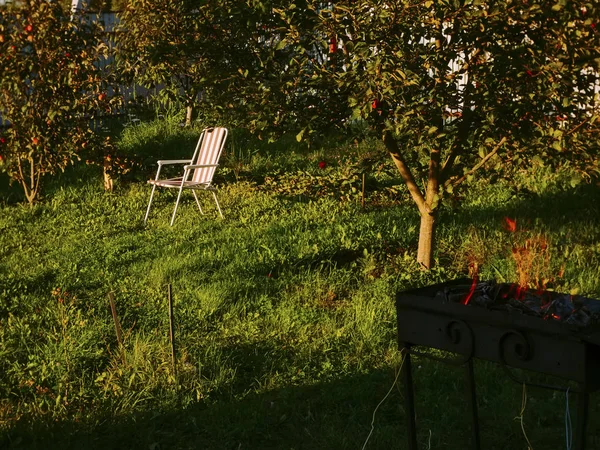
point(451, 86)
point(190, 49)
point(50, 90)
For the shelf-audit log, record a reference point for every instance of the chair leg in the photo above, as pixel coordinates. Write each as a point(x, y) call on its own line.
point(197, 202)
point(149, 203)
point(217, 202)
point(176, 204)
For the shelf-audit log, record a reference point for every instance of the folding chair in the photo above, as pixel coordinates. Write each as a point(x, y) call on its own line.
point(197, 172)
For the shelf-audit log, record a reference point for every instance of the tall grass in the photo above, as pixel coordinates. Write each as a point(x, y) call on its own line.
point(285, 321)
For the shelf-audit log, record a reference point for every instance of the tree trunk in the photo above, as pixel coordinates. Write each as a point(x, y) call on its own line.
point(427, 239)
point(427, 204)
point(106, 172)
point(29, 189)
point(29, 195)
point(429, 219)
point(189, 114)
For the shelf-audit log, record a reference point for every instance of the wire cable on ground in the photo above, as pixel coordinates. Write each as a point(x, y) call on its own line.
point(568, 427)
point(381, 403)
point(521, 417)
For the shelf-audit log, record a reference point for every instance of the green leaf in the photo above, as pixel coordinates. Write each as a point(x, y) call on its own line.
point(538, 161)
point(357, 113)
point(575, 180)
point(436, 201)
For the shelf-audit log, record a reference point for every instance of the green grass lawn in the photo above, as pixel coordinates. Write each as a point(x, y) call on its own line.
point(284, 314)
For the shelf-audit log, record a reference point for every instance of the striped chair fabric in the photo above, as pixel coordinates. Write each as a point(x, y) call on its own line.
point(198, 171)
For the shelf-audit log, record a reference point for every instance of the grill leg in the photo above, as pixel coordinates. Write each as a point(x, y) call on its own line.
point(472, 403)
point(409, 400)
point(583, 400)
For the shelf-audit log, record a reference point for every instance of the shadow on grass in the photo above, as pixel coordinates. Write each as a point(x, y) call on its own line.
point(10, 194)
point(570, 207)
point(330, 415)
point(77, 176)
point(143, 155)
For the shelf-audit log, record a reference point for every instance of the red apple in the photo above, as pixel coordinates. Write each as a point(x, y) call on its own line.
point(333, 45)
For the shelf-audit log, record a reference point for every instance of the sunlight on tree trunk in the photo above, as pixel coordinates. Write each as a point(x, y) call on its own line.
point(426, 240)
point(189, 114)
point(106, 175)
point(427, 205)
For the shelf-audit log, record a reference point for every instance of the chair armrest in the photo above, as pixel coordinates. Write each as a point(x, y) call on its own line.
point(163, 162)
point(199, 166)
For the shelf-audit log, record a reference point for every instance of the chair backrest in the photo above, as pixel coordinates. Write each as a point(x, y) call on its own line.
point(208, 150)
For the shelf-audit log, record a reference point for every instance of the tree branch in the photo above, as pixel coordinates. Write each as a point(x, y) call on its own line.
point(477, 166)
point(464, 126)
point(465, 120)
point(32, 178)
point(406, 174)
point(38, 177)
point(574, 129)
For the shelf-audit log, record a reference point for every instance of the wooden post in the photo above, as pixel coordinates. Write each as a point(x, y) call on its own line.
point(172, 330)
point(362, 199)
point(113, 309)
point(118, 331)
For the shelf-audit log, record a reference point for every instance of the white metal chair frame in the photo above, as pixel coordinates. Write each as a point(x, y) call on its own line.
point(207, 154)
